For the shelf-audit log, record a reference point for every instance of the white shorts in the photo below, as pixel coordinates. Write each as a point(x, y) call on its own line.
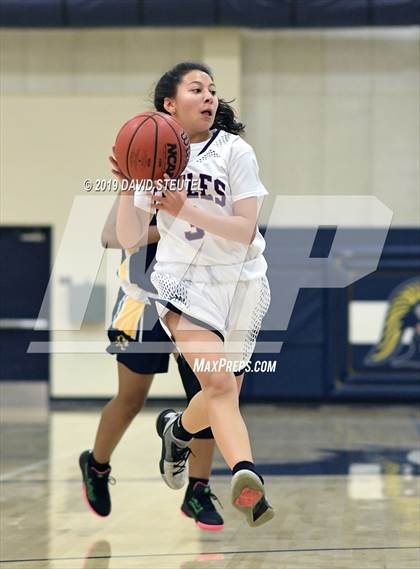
point(234, 309)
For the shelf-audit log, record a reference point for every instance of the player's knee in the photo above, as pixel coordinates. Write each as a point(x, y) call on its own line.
point(219, 384)
point(131, 406)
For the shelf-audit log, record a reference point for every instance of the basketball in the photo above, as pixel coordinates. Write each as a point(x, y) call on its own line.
point(150, 145)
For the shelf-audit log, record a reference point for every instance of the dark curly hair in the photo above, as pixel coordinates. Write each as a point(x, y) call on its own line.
point(167, 86)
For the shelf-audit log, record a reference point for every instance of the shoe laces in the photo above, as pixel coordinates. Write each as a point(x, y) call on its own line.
point(103, 477)
point(206, 497)
point(181, 456)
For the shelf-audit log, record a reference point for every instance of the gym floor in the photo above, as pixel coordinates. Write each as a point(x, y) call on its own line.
point(344, 481)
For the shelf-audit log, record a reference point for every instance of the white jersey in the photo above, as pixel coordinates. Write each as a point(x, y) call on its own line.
point(221, 171)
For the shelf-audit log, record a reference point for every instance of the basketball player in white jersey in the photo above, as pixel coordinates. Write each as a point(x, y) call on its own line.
point(212, 292)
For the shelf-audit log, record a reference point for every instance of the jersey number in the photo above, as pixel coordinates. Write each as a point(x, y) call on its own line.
point(196, 234)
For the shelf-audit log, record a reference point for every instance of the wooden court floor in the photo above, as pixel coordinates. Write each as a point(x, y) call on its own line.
point(344, 481)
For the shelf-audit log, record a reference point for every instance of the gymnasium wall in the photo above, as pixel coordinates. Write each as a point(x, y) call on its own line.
point(328, 112)
point(336, 113)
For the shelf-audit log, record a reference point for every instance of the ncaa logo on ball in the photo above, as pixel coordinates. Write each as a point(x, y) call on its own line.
point(171, 159)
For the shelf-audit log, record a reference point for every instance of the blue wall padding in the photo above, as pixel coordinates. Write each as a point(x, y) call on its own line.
point(179, 13)
point(256, 13)
point(82, 13)
point(31, 13)
point(325, 13)
point(246, 13)
point(395, 12)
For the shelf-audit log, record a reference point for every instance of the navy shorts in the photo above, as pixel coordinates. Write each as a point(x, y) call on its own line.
point(126, 350)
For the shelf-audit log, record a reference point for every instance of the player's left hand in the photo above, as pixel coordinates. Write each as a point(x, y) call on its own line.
point(173, 201)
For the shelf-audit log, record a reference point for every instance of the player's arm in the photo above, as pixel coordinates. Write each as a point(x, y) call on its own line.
point(109, 238)
point(245, 186)
point(131, 223)
point(241, 226)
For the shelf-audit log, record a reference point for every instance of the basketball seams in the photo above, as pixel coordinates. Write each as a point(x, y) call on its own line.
point(137, 158)
point(156, 146)
point(131, 142)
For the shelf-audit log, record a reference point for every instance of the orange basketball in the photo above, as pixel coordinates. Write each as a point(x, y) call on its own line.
point(150, 145)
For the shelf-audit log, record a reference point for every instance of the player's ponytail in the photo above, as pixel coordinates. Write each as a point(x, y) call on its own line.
point(167, 86)
point(225, 119)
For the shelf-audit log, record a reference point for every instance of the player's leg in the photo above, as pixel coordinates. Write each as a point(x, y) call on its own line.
point(118, 413)
point(135, 374)
point(199, 500)
point(219, 398)
point(201, 459)
point(116, 416)
point(218, 402)
point(216, 405)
